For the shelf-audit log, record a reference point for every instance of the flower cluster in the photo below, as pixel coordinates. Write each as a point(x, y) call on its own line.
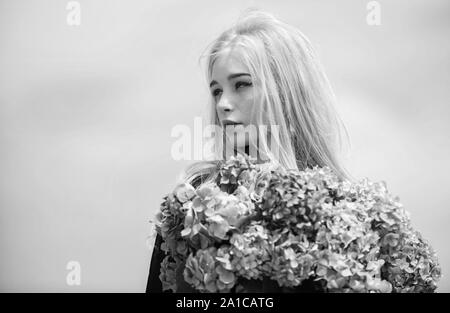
point(259, 222)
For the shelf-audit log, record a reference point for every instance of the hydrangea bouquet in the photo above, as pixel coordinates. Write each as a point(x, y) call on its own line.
point(290, 228)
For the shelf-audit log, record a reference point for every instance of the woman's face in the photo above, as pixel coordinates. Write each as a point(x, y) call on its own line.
point(233, 91)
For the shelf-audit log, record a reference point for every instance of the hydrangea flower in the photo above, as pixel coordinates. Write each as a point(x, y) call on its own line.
point(206, 274)
point(168, 274)
point(262, 222)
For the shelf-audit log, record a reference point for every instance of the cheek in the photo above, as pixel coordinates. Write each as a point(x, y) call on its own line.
point(247, 107)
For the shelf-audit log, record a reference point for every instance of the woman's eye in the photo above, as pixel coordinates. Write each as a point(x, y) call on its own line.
point(245, 84)
point(216, 92)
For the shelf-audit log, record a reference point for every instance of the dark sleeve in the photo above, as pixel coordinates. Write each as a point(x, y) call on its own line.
point(154, 283)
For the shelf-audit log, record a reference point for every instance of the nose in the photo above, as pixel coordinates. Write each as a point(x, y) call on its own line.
point(225, 104)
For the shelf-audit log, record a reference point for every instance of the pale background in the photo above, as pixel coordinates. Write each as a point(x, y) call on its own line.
point(86, 114)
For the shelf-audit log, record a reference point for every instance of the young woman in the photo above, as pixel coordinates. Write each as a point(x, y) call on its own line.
point(263, 72)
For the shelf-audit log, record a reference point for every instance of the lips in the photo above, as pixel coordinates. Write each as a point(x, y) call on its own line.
point(229, 122)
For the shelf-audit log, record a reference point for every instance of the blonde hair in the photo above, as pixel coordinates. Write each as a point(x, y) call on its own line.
point(295, 94)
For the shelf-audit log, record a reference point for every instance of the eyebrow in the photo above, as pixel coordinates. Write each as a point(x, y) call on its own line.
point(230, 78)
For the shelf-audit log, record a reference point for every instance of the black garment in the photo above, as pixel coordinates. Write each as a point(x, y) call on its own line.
point(154, 284)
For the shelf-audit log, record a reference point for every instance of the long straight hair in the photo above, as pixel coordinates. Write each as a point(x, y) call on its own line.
point(294, 94)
